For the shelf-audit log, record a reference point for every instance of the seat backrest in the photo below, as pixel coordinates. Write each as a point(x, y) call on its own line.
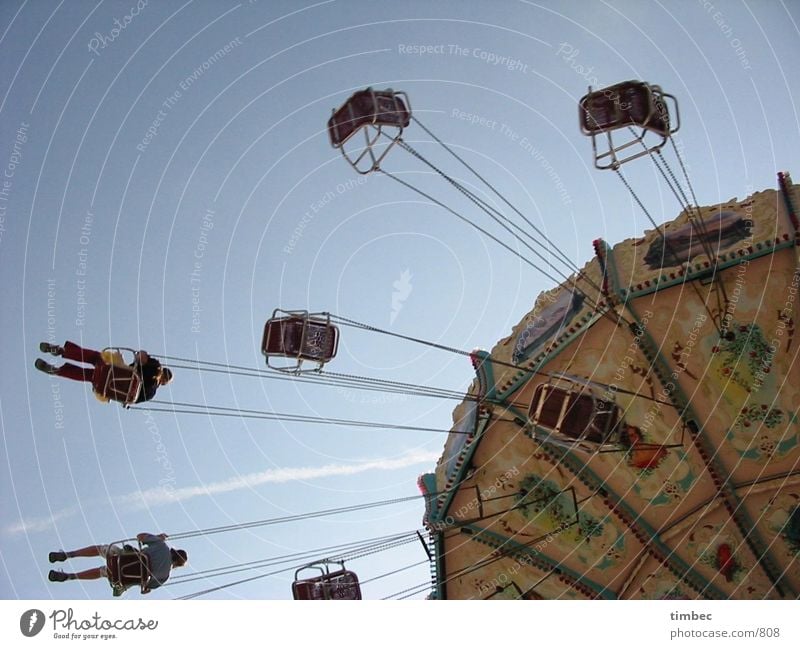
point(285, 337)
point(631, 103)
point(578, 416)
point(573, 415)
point(130, 568)
point(282, 337)
point(115, 382)
point(379, 107)
point(546, 406)
point(321, 341)
point(341, 584)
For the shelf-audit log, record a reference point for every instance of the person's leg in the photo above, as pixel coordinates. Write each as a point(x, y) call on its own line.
point(73, 352)
point(74, 372)
point(89, 551)
point(92, 573)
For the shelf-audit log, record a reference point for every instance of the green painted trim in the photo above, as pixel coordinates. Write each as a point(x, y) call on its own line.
point(675, 564)
point(440, 576)
point(485, 374)
point(466, 455)
point(662, 282)
point(611, 272)
point(428, 480)
point(523, 376)
point(579, 468)
point(516, 412)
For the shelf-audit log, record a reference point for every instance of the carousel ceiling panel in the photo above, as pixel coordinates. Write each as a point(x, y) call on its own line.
point(652, 465)
point(650, 579)
point(642, 455)
point(742, 387)
point(510, 567)
point(774, 506)
point(714, 546)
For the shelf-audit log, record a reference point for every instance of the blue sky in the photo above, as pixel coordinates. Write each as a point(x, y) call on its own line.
point(157, 195)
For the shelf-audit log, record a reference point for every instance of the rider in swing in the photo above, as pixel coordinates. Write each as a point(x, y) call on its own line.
point(160, 560)
point(152, 373)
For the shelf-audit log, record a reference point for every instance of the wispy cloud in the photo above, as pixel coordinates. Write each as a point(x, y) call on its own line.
point(162, 495)
point(41, 524)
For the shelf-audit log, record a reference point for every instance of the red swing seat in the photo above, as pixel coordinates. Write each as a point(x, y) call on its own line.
point(632, 105)
point(128, 568)
point(116, 383)
point(299, 336)
point(340, 584)
point(375, 112)
point(367, 108)
point(573, 416)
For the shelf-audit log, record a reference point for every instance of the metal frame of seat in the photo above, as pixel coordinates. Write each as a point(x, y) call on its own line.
point(341, 584)
point(316, 327)
point(119, 576)
point(645, 110)
point(575, 391)
point(369, 110)
point(120, 383)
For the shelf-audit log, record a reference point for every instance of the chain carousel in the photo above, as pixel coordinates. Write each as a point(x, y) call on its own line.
point(636, 437)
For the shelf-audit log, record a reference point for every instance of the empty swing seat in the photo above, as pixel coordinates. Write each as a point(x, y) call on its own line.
point(381, 115)
point(301, 337)
point(633, 113)
point(367, 108)
point(340, 584)
point(572, 416)
point(631, 103)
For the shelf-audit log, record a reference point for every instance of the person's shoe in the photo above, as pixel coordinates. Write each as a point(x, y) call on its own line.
point(47, 348)
point(58, 556)
point(42, 366)
point(57, 575)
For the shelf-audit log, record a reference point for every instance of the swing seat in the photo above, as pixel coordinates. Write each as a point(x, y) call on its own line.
point(367, 108)
point(340, 584)
point(113, 382)
point(299, 336)
point(128, 568)
point(632, 105)
point(573, 415)
point(375, 112)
